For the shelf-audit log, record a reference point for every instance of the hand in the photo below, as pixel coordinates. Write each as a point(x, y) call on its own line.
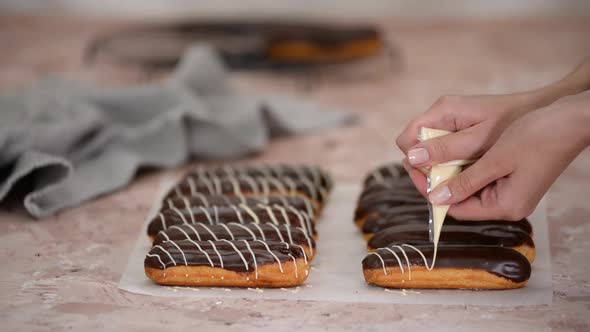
point(477, 122)
point(510, 179)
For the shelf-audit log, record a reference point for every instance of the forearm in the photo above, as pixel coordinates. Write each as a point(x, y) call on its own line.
point(575, 82)
point(572, 114)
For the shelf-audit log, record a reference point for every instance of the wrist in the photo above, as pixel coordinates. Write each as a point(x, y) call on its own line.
point(576, 111)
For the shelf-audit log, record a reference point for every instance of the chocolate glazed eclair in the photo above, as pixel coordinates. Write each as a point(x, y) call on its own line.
point(375, 224)
point(230, 214)
point(456, 267)
point(239, 263)
point(300, 203)
point(249, 186)
point(233, 231)
point(378, 201)
point(315, 174)
point(467, 234)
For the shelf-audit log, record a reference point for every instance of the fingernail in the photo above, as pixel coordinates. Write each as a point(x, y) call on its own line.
point(440, 195)
point(418, 156)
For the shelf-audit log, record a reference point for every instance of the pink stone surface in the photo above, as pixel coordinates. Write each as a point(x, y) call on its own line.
point(62, 273)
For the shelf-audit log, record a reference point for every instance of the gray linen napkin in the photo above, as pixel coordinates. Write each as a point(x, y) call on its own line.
point(69, 143)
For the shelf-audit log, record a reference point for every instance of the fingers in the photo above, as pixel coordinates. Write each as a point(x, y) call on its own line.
point(486, 170)
point(434, 117)
point(455, 146)
point(417, 177)
point(503, 200)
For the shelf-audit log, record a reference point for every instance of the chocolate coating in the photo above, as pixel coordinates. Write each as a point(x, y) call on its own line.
point(296, 172)
point(204, 253)
point(385, 174)
point(494, 234)
point(376, 223)
point(298, 202)
point(229, 214)
point(246, 185)
point(378, 198)
point(502, 262)
point(266, 232)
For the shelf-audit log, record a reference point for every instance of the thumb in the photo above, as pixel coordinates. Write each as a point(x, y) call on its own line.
point(485, 171)
point(454, 146)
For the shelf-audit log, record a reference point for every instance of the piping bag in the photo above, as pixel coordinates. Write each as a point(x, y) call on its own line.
point(436, 175)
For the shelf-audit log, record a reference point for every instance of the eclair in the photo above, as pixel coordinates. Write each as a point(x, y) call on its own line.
point(475, 233)
point(456, 267)
point(230, 214)
point(234, 231)
point(225, 263)
point(249, 186)
point(315, 174)
point(300, 203)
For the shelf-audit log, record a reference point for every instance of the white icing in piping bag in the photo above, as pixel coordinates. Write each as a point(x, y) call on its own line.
point(436, 175)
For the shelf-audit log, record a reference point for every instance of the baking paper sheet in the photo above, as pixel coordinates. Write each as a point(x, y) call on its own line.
point(336, 273)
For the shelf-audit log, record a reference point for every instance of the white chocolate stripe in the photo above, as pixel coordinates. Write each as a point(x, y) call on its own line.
point(217, 185)
point(180, 250)
point(229, 232)
point(166, 252)
point(165, 235)
point(181, 230)
point(159, 259)
point(180, 215)
point(217, 252)
point(253, 259)
point(195, 231)
point(271, 214)
point(235, 185)
point(261, 232)
point(278, 232)
point(247, 230)
point(255, 218)
point(209, 230)
point(207, 214)
point(294, 264)
point(302, 251)
point(307, 238)
point(204, 252)
point(407, 262)
point(239, 253)
point(273, 255)
point(397, 258)
point(192, 186)
point(238, 213)
point(381, 259)
point(163, 220)
point(188, 209)
point(429, 268)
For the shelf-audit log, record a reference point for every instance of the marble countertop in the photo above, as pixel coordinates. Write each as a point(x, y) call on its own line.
point(62, 273)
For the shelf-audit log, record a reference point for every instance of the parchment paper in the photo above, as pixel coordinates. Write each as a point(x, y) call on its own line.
point(336, 273)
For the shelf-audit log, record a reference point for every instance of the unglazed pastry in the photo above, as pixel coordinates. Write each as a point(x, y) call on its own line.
point(467, 234)
point(457, 267)
point(226, 263)
point(250, 186)
point(300, 203)
point(230, 214)
point(295, 236)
